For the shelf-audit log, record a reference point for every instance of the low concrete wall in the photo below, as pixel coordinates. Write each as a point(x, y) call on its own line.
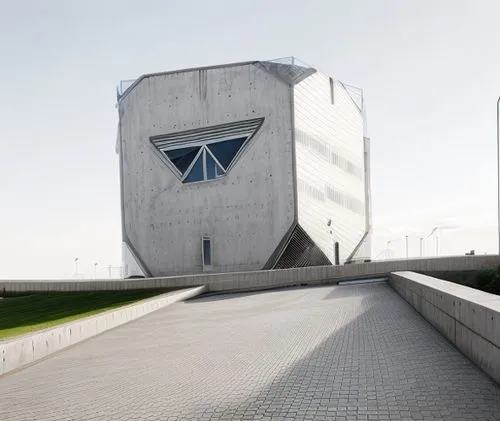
point(261, 279)
point(469, 318)
point(20, 351)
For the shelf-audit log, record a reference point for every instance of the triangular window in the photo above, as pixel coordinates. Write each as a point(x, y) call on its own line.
point(214, 170)
point(206, 153)
point(226, 150)
point(196, 173)
point(182, 157)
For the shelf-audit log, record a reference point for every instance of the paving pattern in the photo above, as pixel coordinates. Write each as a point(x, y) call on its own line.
point(331, 353)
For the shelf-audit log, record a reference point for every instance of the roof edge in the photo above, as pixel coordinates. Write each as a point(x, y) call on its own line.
point(190, 69)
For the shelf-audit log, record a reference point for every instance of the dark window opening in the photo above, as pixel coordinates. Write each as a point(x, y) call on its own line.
point(196, 173)
point(226, 150)
point(182, 157)
point(205, 162)
point(213, 169)
point(207, 251)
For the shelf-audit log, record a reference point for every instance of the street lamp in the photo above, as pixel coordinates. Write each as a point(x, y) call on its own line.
point(76, 267)
point(336, 252)
point(95, 270)
point(329, 224)
point(498, 170)
point(438, 229)
point(437, 238)
point(406, 238)
point(390, 242)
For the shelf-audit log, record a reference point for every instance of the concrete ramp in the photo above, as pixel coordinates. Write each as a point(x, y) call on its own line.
point(27, 349)
point(354, 352)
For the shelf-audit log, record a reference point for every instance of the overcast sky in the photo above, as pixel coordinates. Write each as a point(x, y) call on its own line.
point(430, 70)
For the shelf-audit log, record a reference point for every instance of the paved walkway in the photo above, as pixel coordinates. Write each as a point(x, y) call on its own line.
point(330, 353)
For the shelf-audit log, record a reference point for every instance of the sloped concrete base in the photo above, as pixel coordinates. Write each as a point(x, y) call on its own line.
point(21, 351)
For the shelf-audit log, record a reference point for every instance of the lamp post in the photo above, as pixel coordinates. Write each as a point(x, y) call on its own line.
point(336, 249)
point(437, 241)
point(406, 238)
point(329, 224)
point(95, 270)
point(421, 246)
point(76, 267)
point(391, 242)
point(498, 170)
point(438, 229)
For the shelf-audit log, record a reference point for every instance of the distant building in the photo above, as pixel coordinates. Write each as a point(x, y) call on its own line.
point(238, 167)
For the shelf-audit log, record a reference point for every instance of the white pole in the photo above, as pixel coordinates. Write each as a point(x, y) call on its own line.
point(498, 171)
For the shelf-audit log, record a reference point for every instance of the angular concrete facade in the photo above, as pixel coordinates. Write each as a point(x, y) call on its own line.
point(239, 167)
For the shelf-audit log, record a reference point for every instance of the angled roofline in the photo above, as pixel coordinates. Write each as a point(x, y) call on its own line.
point(235, 64)
point(190, 69)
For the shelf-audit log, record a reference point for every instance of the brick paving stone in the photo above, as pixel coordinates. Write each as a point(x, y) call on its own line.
point(354, 352)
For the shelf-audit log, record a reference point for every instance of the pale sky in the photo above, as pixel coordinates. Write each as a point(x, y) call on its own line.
point(430, 71)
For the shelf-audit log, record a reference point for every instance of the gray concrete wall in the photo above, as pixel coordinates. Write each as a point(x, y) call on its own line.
point(330, 164)
point(261, 279)
point(23, 350)
point(469, 318)
point(248, 211)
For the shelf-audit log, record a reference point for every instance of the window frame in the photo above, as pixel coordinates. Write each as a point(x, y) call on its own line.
point(203, 151)
point(204, 137)
point(209, 238)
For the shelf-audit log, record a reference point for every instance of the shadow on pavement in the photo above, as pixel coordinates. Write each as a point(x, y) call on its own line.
point(385, 363)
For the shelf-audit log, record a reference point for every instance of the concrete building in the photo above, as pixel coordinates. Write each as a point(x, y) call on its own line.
point(238, 167)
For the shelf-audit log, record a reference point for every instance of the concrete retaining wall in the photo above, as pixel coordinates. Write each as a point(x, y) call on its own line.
point(261, 279)
point(469, 318)
point(20, 351)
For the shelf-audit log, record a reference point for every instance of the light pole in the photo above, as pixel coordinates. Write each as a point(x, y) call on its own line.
point(390, 242)
point(498, 170)
point(437, 241)
point(438, 229)
point(421, 246)
point(329, 224)
point(76, 267)
point(406, 238)
point(336, 246)
point(95, 270)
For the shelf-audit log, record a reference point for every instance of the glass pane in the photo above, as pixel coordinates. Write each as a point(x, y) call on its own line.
point(196, 173)
point(227, 150)
point(207, 258)
point(213, 169)
point(183, 157)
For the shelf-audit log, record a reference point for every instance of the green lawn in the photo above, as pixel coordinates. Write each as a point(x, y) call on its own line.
point(23, 314)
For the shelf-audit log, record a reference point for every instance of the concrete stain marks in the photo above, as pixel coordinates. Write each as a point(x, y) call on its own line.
point(354, 352)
